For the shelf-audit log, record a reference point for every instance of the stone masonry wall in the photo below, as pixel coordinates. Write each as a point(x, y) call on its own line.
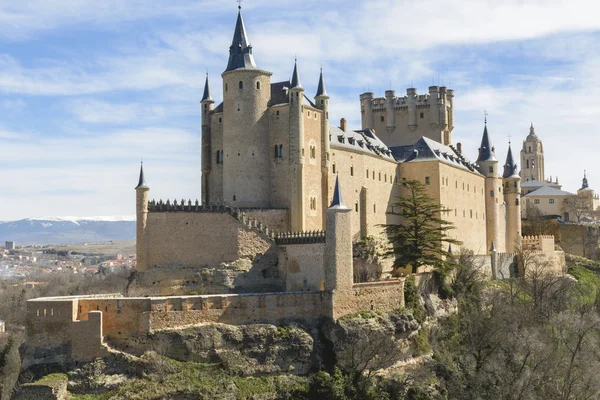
point(383, 296)
point(277, 220)
point(86, 338)
point(301, 265)
point(195, 239)
point(580, 240)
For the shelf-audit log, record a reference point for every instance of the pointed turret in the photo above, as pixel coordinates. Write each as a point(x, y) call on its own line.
point(510, 167)
point(296, 77)
point(240, 52)
point(486, 150)
point(206, 96)
point(142, 181)
point(321, 91)
point(337, 201)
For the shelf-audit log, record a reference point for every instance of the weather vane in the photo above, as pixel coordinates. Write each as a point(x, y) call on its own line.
point(485, 114)
point(240, 4)
point(509, 137)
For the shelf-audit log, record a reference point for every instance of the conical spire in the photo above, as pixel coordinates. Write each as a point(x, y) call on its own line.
point(337, 201)
point(142, 181)
point(321, 91)
point(510, 168)
point(296, 77)
point(206, 96)
point(486, 150)
point(240, 52)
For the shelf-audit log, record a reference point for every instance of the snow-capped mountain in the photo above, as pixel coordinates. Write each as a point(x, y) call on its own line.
point(67, 230)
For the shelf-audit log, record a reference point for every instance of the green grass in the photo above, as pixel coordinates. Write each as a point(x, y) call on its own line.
point(586, 289)
point(52, 380)
point(166, 377)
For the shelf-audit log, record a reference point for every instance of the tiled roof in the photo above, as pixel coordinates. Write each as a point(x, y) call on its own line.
point(535, 183)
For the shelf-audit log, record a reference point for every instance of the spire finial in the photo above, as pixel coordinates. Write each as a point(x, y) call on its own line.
point(485, 114)
point(142, 181)
point(239, 4)
point(509, 137)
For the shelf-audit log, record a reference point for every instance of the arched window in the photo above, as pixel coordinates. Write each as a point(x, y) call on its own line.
point(258, 85)
point(226, 87)
point(313, 152)
point(527, 163)
point(367, 173)
point(241, 85)
point(351, 171)
point(333, 167)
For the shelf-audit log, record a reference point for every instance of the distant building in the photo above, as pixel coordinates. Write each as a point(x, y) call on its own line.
point(9, 245)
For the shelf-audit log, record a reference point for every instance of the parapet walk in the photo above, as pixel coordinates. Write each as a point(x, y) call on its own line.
point(280, 238)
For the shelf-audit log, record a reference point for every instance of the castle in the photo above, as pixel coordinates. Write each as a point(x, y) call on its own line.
point(274, 172)
point(270, 153)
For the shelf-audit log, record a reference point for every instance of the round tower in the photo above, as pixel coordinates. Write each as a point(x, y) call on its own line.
point(411, 93)
point(141, 212)
point(512, 192)
point(366, 105)
point(246, 93)
point(207, 106)
point(488, 167)
point(532, 158)
point(296, 121)
point(390, 100)
point(434, 107)
point(322, 102)
point(338, 244)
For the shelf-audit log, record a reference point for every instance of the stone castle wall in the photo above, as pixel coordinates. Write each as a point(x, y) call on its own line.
point(580, 240)
point(299, 266)
point(195, 239)
point(383, 296)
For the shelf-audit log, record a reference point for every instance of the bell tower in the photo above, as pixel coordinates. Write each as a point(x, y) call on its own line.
point(532, 158)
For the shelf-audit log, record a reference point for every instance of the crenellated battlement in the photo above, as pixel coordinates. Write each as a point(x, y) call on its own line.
point(543, 243)
point(182, 206)
point(287, 238)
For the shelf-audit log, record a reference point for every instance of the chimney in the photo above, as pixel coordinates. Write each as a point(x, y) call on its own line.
point(343, 124)
point(459, 148)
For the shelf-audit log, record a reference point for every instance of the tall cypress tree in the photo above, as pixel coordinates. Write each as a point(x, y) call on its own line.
point(418, 238)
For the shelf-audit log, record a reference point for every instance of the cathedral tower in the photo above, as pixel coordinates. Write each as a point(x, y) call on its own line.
point(532, 158)
point(296, 98)
point(141, 211)
point(512, 189)
point(488, 167)
point(246, 93)
point(207, 104)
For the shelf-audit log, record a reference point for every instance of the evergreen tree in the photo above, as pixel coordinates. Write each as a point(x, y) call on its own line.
point(417, 239)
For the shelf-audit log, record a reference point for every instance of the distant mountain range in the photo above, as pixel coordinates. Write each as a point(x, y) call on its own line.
point(67, 230)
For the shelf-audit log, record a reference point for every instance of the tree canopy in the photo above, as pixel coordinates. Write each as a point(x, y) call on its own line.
point(418, 238)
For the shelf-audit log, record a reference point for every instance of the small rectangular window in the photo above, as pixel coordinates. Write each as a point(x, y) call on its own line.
point(491, 170)
point(551, 201)
point(536, 201)
point(427, 180)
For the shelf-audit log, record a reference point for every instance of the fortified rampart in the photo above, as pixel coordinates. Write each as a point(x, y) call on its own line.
point(539, 256)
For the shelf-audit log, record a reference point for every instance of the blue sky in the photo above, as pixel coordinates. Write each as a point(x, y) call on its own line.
point(88, 88)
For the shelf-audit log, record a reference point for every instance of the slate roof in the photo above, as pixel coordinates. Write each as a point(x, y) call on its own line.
point(549, 191)
point(142, 181)
point(321, 90)
point(428, 150)
point(296, 78)
point(240, 51)
point(535, 183)
point(278, 94)
point(206, 95)
point(364, 141)
point(510, 167)
point(337, 201)
point(486, 150)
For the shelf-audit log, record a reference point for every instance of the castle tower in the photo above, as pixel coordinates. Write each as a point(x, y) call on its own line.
point(246, 93)
point(141, 213)
point(532, 158)
point(207, 105)
point(339, 274)
point(512, 189)
point(488, 167)
point(296, 98)
point(366, 106)
point(322, 102)
point(390, 100)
